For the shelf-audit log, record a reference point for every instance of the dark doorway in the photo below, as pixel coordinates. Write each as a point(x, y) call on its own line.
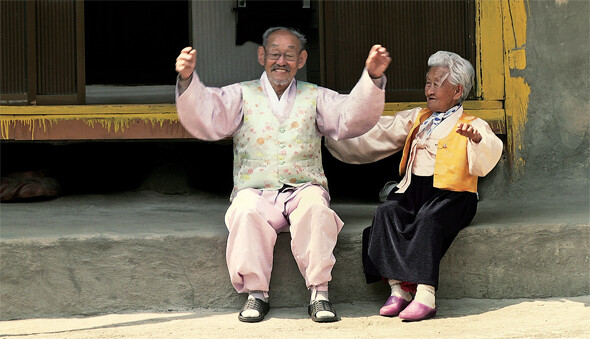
point(134, 42)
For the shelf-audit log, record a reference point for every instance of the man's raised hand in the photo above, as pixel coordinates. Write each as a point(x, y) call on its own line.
point(377, 61)
point(186, 61)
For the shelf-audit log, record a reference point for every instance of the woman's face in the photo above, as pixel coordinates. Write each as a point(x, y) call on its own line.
point(441, 95)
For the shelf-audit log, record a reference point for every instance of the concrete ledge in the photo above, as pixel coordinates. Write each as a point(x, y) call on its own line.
point(83, 255)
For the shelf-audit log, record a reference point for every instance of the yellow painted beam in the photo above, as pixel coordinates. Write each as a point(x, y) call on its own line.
point(495, 117)
point(117, 120)
point(92, 122)
point(139, 111)
point(468, 105)
point(88, 109)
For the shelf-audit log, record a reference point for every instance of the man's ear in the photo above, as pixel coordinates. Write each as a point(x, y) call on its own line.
point(302, 59)
point(261, 55)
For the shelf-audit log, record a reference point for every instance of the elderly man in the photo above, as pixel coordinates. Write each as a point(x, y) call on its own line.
point(279, 184)
point(444, 153)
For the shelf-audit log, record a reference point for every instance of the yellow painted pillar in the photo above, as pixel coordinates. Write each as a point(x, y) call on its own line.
point(514, 15)
point(490, 50)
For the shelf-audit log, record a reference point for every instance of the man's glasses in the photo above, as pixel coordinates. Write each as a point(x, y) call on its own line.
point(289, 56)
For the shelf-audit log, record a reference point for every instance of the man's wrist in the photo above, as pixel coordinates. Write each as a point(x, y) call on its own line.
point(183, 79)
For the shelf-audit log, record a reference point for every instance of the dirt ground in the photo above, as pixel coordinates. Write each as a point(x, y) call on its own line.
point(463, 318)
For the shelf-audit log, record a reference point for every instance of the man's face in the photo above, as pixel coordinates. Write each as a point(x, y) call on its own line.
point(282, 58)
point(441, 95)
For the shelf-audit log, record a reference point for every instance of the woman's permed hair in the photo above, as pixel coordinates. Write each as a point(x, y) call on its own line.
point(301, 37)
point(460, 70)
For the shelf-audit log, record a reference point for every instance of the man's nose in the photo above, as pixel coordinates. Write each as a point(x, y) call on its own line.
point(282, 60)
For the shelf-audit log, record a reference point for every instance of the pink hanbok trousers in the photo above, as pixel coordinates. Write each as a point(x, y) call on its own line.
point(254, 220)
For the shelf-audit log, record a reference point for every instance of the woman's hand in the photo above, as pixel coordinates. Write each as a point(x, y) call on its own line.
point(469, 131)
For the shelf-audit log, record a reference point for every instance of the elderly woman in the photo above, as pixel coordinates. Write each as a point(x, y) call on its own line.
point(444, 153)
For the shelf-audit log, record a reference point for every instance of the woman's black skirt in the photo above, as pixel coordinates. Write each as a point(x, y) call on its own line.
point(411, 232)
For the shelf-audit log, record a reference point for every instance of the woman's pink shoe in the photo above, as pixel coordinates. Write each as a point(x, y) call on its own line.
point(417, 311)
point(393, 306)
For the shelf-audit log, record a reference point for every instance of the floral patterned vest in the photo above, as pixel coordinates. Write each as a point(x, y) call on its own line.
point(269, 154)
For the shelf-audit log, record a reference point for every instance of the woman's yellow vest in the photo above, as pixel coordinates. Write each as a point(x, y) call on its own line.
point(451, 168)
point(269, 154)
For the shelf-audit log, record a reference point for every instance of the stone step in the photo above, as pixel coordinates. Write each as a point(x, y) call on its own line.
point(137, 251)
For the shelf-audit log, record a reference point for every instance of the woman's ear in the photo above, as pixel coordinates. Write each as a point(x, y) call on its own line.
point(458, 92)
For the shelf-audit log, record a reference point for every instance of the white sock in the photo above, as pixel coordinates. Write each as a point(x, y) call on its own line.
point(259, 295)
point(320, 295)
point(397, 291)
point(253, 313)
point(425, 295)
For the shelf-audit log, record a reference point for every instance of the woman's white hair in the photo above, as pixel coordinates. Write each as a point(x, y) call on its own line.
point(460, 70)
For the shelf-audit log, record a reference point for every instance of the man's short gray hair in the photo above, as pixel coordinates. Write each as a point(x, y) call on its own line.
point(460, 70)
point(301, 37)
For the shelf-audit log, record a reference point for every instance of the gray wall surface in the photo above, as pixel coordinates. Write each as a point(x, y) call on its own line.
point(556, 141)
